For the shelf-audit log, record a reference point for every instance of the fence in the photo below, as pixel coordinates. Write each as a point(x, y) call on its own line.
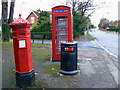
point(48, 34)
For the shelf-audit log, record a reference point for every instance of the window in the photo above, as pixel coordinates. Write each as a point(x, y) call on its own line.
point(61, 31)
point(32, 19)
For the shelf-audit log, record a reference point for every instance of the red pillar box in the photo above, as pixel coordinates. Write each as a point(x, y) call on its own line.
point(22, 51)
point(62, 30)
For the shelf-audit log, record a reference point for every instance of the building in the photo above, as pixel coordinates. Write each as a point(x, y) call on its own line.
point(33, 16)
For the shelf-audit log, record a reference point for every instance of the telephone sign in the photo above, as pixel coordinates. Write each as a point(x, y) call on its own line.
point(65, 10)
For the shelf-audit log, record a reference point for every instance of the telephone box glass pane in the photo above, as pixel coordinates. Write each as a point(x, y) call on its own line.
point(61, 27)
point(61, 22)
point(61, 32)
point(61, 18)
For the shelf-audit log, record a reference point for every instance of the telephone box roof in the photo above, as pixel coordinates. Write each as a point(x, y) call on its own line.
point(61, 6)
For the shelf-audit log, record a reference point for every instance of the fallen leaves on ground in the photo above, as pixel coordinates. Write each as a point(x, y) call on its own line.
point(53, 68)
point(61, 75)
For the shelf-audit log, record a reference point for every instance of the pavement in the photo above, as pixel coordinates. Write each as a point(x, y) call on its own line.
point(96, 68)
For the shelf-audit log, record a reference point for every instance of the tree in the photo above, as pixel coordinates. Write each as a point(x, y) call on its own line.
point(43, 24)
point(78, 28)
point(43, 17)
point(5, 28)
point(11, 11)
point(103, 23)
point(4, 11)
point(81, 19)
point(114, 26)
point(92, 26)
point(5, 22)
point(118, 26)
point(85, 7)
point(82, 10)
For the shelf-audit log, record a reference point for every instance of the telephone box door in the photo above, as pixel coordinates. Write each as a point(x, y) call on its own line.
point(61, 33)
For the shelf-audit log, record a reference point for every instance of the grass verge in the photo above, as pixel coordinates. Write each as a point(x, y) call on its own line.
point(110, 31)
point(89, 36)
point(6, 42)
point(39, 44)
point(53, 69)
point(33, 44)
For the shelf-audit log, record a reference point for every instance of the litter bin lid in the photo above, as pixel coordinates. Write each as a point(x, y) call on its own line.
point(69, 42)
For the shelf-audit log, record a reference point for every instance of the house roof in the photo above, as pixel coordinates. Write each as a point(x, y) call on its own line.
point(35, 13)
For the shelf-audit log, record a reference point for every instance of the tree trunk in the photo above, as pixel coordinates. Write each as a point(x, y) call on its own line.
point(11, 11)
point(4, 11)
point(5, 28)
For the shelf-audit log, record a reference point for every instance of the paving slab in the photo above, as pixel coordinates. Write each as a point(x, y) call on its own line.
point(95, 69)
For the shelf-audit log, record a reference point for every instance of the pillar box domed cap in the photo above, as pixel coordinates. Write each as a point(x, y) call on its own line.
point(20, 22)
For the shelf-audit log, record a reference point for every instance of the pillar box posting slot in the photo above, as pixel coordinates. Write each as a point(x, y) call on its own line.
point(62, 30)
point(22, 51)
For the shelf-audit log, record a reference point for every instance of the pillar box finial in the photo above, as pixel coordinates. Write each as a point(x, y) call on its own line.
point(19, 15)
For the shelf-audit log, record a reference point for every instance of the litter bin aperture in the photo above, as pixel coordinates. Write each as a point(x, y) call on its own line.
point(68, 58)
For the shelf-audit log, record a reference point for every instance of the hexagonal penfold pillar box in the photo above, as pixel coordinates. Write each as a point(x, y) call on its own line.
point(22, 51)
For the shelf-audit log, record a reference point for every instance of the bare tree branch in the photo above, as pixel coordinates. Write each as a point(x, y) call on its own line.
point(87, 16)
point(82, 6)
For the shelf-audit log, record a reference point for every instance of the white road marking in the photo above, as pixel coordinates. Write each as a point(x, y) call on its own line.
point(93, 42)
point(89, 59)
point(105, 49)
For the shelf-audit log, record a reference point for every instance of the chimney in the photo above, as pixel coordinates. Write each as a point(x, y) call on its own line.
point(38, 10)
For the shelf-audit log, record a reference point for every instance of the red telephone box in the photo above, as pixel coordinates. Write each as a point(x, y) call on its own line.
point(62, 30)
point(22, 51)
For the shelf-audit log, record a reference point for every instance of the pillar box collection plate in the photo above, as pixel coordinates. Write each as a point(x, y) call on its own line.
point(22, 47)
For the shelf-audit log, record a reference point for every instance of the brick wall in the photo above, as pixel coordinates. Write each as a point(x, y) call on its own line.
point(32, 15)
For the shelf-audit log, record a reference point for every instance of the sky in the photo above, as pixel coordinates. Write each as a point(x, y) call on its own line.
point(109, 8)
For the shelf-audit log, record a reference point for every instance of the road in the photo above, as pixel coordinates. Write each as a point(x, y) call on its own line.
point(107, 41)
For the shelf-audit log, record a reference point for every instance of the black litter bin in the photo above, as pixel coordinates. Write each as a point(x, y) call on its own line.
point(68, 58)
